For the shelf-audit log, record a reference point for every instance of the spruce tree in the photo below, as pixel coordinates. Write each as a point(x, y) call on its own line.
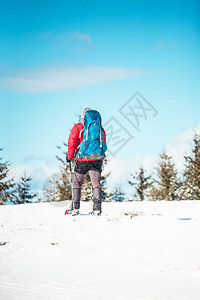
point(118, 194)
point(62, 184)
point(6, 184)
point(23, 192)
point(190, 189)
point(50, 192)
point(141, 183)
point(167, 183)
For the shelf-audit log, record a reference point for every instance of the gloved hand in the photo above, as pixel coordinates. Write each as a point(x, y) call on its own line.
point(67, 159)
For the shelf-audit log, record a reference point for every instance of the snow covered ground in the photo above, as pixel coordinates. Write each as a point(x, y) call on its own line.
point(136, 251)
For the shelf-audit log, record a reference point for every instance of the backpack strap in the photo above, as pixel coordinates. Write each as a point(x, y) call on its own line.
point(100, 142)
point(86, 134)
point(80, 133)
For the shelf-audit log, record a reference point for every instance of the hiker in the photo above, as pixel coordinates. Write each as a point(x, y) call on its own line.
point(87, 142)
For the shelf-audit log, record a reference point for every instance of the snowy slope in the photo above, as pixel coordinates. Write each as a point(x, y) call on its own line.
point(142, 251)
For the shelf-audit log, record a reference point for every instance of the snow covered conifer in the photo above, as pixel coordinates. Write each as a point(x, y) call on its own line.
point(167, 183)
point(118, 195)
point(62, 186)
point(141, 183)
point(6, 184)
point(23, 192)
point(190, 189)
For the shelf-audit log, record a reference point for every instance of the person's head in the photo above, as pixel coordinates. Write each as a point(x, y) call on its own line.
point(84, 111)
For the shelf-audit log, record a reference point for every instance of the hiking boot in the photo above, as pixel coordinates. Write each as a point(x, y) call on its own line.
point(96, 213)
point(75, 212)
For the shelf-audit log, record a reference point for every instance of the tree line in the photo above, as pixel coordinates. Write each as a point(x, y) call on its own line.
point(165, 184)
point(12, 192)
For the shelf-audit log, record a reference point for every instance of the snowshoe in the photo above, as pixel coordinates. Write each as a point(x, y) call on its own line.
point(75, 212)
point(96, 213)
point(69, 211)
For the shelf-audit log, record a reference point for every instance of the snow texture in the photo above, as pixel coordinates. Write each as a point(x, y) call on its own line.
point(136, 250)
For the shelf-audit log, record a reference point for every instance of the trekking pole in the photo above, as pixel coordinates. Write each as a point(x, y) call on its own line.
point(71, 182)
point(91, 198)
point(70, 168)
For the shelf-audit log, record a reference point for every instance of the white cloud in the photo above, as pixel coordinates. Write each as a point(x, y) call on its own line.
point(38, 173)
point(39, 80)
point(188, 135)
point(121, 168)
point(181, 145)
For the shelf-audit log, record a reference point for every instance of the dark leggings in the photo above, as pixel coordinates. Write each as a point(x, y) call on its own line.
point(95, 177)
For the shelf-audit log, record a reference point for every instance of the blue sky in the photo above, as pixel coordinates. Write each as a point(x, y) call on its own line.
point(57, 57)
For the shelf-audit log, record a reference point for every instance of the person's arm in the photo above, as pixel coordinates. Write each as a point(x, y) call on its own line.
point(73, 142)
